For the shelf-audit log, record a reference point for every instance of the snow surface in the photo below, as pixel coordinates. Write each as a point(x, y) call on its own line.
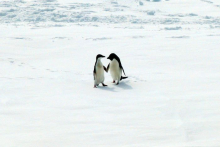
point(168, 48)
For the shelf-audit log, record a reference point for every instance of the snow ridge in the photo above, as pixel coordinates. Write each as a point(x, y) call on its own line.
point(109, 12)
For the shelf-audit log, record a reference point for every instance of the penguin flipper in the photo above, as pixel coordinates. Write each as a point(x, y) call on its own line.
point(123, 71)
point(122, 68)
point(107, 67)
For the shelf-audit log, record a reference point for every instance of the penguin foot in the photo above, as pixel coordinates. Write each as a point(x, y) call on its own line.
point(104, 84)
point(95, 86)
point(113, 81)
point(117, 83)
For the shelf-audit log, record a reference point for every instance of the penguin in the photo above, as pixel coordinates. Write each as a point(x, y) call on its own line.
point(98, 71)
point(115, 68)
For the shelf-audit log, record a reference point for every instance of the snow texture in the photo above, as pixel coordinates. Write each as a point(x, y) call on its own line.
point(169, 50)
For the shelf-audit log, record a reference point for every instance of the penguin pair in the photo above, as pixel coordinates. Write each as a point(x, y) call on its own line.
point(114, 66)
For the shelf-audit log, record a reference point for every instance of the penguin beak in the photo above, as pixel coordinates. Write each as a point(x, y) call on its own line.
point(103, 56)
point(108, 58)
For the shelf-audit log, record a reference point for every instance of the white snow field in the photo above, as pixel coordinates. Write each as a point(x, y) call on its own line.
point(170, 50)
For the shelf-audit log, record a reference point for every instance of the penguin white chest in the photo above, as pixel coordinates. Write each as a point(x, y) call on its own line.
point(115, 70)
point(99, 78)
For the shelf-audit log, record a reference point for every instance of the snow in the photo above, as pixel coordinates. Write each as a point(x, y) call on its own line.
point(169, 51)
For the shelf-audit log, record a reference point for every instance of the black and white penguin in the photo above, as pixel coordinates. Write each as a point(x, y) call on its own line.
point(115, 68)
point(98, 71)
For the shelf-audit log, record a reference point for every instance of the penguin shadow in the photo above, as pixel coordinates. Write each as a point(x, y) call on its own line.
point(124, 85)
point(107, 88)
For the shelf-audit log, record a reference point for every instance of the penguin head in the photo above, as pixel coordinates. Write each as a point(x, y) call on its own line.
point(112, 56)
point(99, 56)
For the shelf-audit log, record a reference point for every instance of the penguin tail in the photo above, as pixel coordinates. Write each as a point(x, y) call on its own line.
point(123, 78)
